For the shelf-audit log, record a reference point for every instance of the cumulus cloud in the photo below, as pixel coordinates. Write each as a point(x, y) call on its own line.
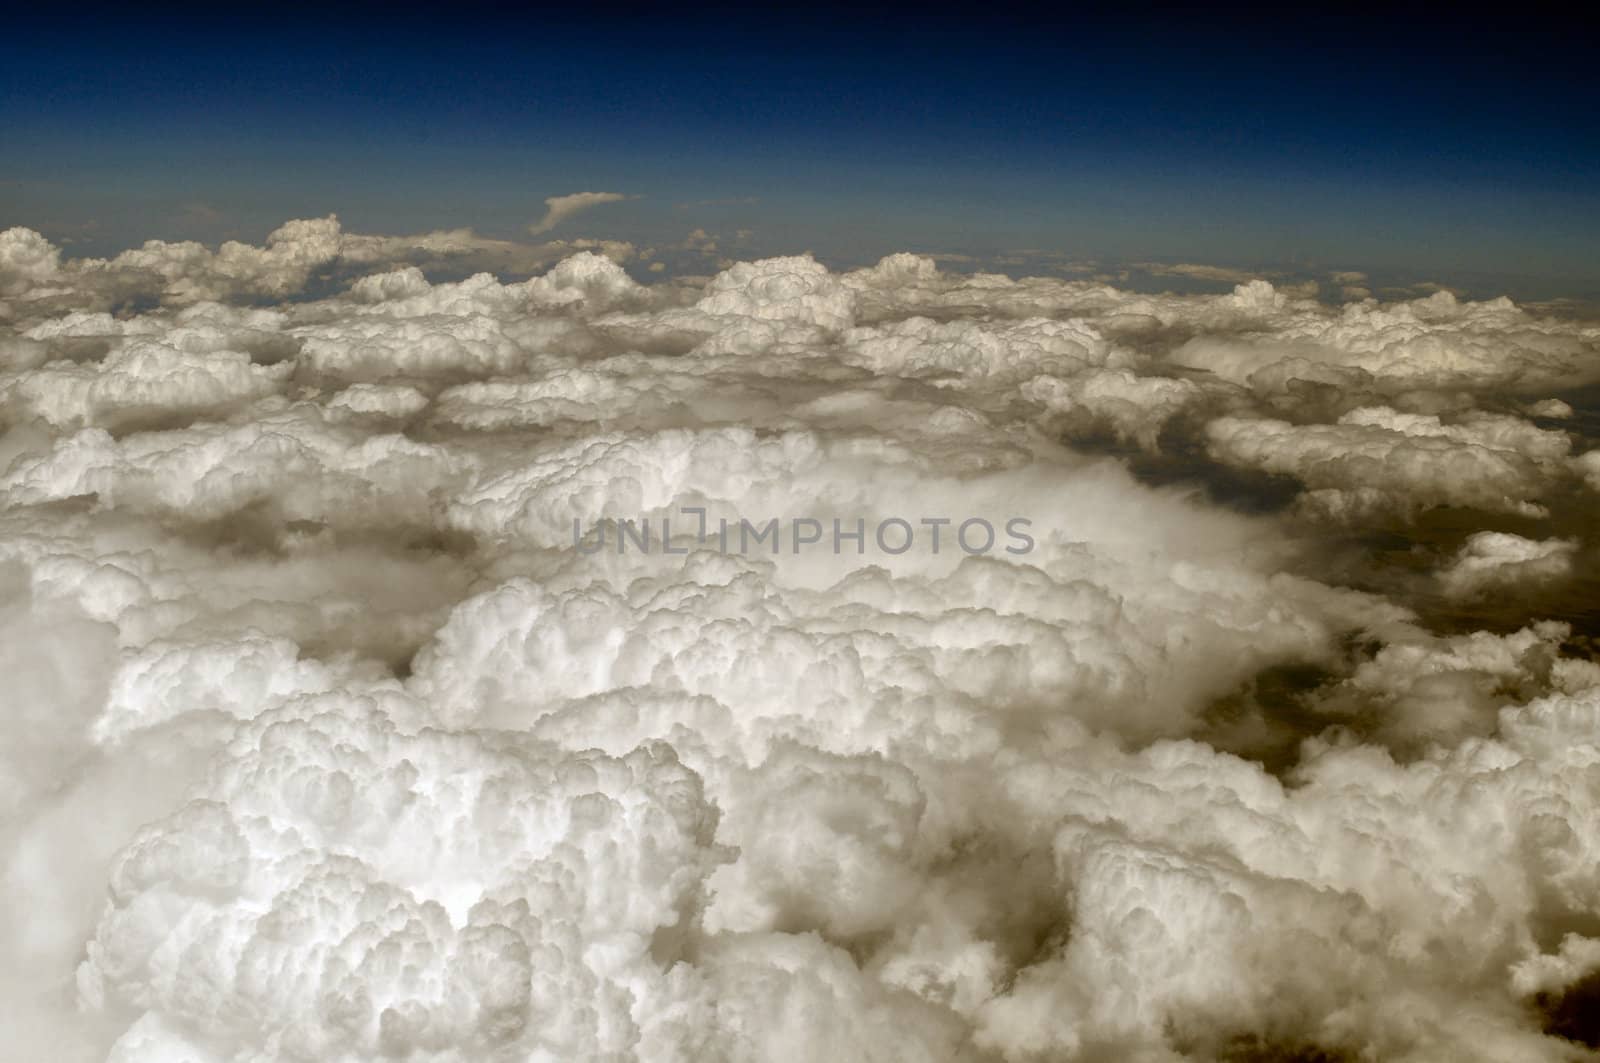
point(26, 258)
point(391, 677)
point(299, 258)
point(1492, 559)
point(1377, 458)
point(1588, 466)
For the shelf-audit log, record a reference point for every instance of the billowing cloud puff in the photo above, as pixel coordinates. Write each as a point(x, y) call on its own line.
point(141, 379)
point(1377, 458)
point(919, 347)
point(780, 289)
point(1437, 341)
point(26, 259)
point(293, 461)
point(1588, 466)
point(445, 892)
point(1494, 559)
point(298, 256)
point(1133, 407)
point(439, 648)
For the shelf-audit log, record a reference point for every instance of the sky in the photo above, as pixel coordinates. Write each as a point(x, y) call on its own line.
point(1439, 151)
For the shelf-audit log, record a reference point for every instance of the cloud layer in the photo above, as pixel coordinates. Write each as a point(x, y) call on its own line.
point(325, 741)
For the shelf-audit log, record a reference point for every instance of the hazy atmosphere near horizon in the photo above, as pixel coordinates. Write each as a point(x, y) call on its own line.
point(726, 537)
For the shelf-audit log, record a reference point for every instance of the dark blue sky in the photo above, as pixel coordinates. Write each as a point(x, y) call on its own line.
point(1437, 148)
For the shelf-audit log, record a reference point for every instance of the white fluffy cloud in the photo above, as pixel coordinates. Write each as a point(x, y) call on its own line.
point(26, 259)
point(298, 256)
point(1377, 458)
point(1491, 560)
point(326, 742)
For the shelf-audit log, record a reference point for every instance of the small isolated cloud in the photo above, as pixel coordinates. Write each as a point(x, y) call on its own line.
point(1500, 561)
point(1554, 409)
point(559, 208)
point(701, 241)
point(1588, 466)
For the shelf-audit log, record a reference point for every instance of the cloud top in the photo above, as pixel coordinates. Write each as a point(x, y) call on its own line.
point(324, 740)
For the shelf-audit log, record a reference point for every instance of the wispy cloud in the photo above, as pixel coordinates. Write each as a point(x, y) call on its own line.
point(560, 208)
